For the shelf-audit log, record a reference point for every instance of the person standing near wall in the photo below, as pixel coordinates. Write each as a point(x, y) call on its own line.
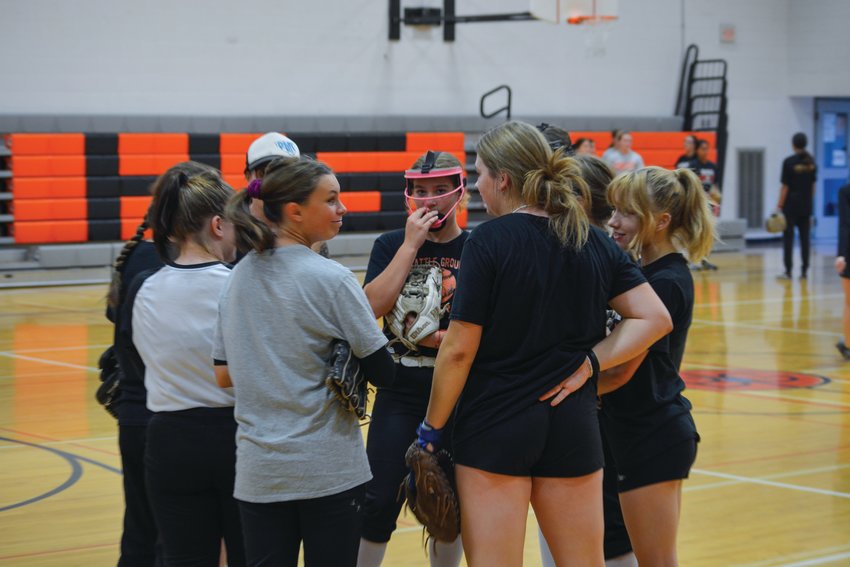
point(841, 263)
point(620, 155)
point(796, 195)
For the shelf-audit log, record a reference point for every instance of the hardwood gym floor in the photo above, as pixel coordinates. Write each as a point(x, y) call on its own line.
point(771, 395)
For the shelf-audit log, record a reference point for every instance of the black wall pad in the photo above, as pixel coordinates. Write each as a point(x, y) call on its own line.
point(391, 142)
point(99, 187)
point(102, 209)
point(392, 201)
point(371, 181)
point(209, 159)
point(101, 166)
point(101, 144)
point(104, 230)
point(140, 186)
point(354, 222)
point(204, 144)
point(362, 143)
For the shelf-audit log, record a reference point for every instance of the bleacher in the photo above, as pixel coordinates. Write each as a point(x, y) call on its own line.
point(94, 187)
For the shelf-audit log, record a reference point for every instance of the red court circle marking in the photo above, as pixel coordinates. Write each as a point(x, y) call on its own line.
point(748, 379)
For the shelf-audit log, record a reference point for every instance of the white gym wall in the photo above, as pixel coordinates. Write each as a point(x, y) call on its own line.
point(332, 57)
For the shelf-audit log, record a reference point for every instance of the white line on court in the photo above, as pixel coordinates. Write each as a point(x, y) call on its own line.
point(774, 395)
point(818, 561)
point(773, 484)
point(795, 299)
point(774, 476)
point(58, 349)
point(50, 362)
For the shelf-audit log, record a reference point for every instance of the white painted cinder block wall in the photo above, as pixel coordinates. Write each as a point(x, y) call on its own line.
point(332, 57)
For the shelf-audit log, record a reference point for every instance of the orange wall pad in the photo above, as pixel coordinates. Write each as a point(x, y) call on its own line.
point(49, 209)
point(129, 227)
point(57, 166)
point(48, 187)
point(46, 144)
point(236, 144)
point(148, 164)
point(361, 201)
point(40, 232)
point(156, 144)
point(135, 207)
point(232, 164)
point(437, 141)
point(237, 181)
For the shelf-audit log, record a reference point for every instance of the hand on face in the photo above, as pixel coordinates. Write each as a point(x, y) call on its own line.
point(418, 224)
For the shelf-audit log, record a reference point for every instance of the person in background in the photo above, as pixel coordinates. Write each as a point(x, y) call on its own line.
point(585, 146)
point(707, 171)
point(841, 263)
point(262, 151)
point(684, 160)
point(796, 196)
point(620, 155)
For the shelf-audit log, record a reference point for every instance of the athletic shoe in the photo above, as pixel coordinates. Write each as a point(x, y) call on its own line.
point(708, 265)
point(784, 276)
point(843, 349)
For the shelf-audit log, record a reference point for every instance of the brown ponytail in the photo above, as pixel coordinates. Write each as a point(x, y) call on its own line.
point(251, 233)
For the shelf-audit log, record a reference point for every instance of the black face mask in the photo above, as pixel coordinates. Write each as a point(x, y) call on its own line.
point(439, 224)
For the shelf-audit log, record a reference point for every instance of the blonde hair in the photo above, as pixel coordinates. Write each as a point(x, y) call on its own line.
point(652, 191)
point(539, 178)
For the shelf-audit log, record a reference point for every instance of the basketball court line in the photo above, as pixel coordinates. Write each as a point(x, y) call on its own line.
point(764, 482)
point(50, 362)
point(59, 349)
point(774, 476)
point(57, 551)
point(68, 442)
point(818, 561)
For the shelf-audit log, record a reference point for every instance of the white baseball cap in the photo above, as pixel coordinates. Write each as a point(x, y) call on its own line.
point(268, 147)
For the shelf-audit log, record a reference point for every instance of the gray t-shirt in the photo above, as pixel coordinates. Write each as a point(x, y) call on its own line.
point(277, 317)
point(622, 162)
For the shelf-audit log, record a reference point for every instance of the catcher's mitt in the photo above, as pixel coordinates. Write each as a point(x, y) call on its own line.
point(430, 491)
point(345, 379)
point(419, 299)
point(110, 382)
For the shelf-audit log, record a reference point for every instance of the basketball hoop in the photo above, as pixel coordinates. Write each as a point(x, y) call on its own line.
point(575, 12)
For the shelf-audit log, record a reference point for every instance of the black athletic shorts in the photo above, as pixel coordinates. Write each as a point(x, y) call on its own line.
point(672, 464)
point(541, 441)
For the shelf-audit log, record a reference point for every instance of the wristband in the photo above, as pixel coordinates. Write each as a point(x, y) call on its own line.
point(428, 434)
point(594, 363)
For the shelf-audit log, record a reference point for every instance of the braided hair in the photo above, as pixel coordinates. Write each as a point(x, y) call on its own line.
point(114, 293)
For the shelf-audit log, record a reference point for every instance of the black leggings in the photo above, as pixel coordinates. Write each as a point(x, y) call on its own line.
point(189, 470)
point(139, 540)
point(328, 526)
point(803, 227)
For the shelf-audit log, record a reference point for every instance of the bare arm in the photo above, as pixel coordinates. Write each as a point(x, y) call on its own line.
point(617, 377)
point(452, 370)
point(783, 193)
point(222, 376)
point(384, 289)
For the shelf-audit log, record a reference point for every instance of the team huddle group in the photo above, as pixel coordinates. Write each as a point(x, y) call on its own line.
point(562, 326)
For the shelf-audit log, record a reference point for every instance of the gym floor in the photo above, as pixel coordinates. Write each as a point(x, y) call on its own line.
point(771, 399)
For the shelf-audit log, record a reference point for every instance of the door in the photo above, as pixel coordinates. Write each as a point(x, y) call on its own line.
point(830, 149)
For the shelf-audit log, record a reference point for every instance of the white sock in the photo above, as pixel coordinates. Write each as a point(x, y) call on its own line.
point(627, 560)
point(546, 559)
point(371, 553)
point(444, 554)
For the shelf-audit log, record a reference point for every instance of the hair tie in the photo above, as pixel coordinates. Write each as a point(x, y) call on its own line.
point(254, 188)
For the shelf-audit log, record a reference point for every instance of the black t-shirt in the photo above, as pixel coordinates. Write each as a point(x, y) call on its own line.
point(685, 161)
point(541, 306)
point(445, 254)
point(799, 174)
point(633, 416)
point(706, 171)
point(844, 223)
point(131, 403)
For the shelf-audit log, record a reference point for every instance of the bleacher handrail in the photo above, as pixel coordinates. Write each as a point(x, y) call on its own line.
point(507, 107)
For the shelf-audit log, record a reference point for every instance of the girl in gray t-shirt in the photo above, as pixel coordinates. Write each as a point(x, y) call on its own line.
point(301, 467)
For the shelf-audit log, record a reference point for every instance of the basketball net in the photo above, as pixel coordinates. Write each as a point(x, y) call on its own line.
point(595, 32)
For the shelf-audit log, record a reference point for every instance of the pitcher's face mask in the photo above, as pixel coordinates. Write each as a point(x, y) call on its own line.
point(413, 201)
